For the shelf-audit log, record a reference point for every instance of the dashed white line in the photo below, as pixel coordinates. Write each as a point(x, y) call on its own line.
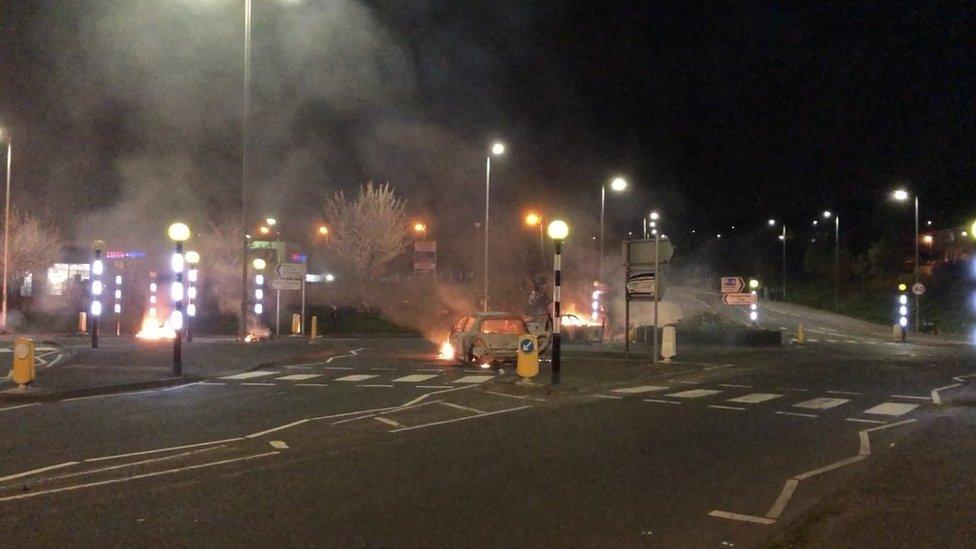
point(459, 407)
point(19, 406)
point(298, 377)
point(432, 386)
point(742, 518)
point(859, 420)
point(258, 384)
point(694, 393)
point(375, 386)
point(388, 421)
point(311, 385)
point(720, 407)
point(913, 397)
point(474, 379)
point(661, 401)
point(278, 428)
point(640, 389)
point(849, 393)
point(455, 420)
point(250, 375)
point(614, 397)
point(734, 385)
point(38, 470)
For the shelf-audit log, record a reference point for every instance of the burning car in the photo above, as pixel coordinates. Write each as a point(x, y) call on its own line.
point(485, 338)
point(576, 328)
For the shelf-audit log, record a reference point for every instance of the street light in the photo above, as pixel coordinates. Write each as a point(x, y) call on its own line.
point(558, 231)
point(533, 219)
point(323, 230)
point(271, 222)
point(178, 233)
point(419, 227)
point(497, 149)
point(901, 195)
point(617, 184)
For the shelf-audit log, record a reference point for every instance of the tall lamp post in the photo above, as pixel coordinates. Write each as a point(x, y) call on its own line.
point(6, 230)
point(533, 219)
point(827, 214)
point(497, 149)
point(558, 231)
point(245, 144)
point(782, 238)
point(618, 184)
point(178, 233)
point(901, 195)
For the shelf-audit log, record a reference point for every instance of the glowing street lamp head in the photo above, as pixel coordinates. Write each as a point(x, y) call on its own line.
point(753, 284)
point(900, 195)
point(655, 216)
point(419, 227)
point(323, 230)
point(827, 214)
point(771, 222)
point(618, 184)
point(497, 148)
point(192, 257)
point(532, 219)
point(558, 230)
point(178, 232)
point(259, 264)
point(263, 229)
point(271, 222)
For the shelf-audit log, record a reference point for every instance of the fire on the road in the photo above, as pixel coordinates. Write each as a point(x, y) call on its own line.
point(153, 330)
point(447, 351)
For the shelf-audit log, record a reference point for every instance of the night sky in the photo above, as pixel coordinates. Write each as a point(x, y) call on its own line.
point(717, 115)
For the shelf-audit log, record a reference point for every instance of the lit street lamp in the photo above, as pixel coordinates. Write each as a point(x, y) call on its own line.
point(419, 227)
point(558, 231)
point(618, 184)
point(497, 149)
point(533, 219)
point(901, 195)
point(782, 237)
point(178, 233)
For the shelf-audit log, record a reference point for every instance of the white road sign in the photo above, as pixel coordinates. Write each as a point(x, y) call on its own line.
point(284, 284)
point(641, 284)
point(739, 298)
point(294, 271)
point(918, 288)
point(732, 284)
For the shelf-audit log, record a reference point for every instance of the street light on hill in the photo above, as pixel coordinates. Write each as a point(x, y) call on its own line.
point(902, 195)
point(497, 149)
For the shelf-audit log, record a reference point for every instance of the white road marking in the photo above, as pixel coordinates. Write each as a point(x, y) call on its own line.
point(135, 477)
point(694, 393)
point(735, 386)
point(298, 367)
point(754, 398)
point(720, 407)
point(852, 341)
point(936, 398)
point(859, 420)
point(793, 389)
point(520, 397)
point(160, 450)
point(338, 368)
point(432, 386)
point(913, 397)
point(257, 384)
point(298, 377)
point(812, 340)
point(614, 397)
point(496, 412)
point(353, 352)
point(19, 406)
point(347, 420)
point(278, 428)
point(382, 369)
point(459, 407)
point(743, 518)
point(684, 381)
point(104, 396)
point(821, 403)
point(211, 383)
point(796, 414)
point(134, 463)
point(640, 389)
point(375, 386)
point(311, 385)
point(279, 444)
point(962, 378)
point(356, 377)
point(388, 421)
point(414, 378)
point(250, 375)
point(474, 379)
point(784, 497)
point(661, 401)
point(849, 393)
point(38, 470)
point(891, 409)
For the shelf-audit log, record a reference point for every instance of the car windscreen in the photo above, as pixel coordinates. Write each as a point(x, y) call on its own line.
point(503, 326)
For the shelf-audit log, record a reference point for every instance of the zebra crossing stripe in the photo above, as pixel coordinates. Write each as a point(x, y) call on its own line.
point(891, 409)
point(356, 377)
point(414, 378)
point(754, 398)
point(251, 375)
point(822, 403)
point(298, 377)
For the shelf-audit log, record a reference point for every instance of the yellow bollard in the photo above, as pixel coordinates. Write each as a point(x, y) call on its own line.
point(314, 332)
point(527, 358)
point(23, 367)
point(799, 334)
point(296, 323)
point(82, 322)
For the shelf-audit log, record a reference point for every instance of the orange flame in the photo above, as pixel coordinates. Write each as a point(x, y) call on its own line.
point(154, 330)
point(447, 351)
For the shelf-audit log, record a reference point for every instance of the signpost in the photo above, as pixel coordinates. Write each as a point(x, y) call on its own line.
point(739, 298)
point(292, 277)
point(285, 284)
point(642, 263)
point(732, 284)
point(295, 271)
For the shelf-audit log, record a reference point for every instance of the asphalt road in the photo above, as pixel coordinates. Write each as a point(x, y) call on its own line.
point(382, 445)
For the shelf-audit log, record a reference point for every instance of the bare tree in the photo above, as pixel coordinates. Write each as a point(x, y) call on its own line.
point(33, 246)
point(368, 232)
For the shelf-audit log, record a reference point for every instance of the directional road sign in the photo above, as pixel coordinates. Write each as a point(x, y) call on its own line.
point(641, 284)
point(732, 284)
point(295, 271)
point(285, 284)
point(739, 298)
